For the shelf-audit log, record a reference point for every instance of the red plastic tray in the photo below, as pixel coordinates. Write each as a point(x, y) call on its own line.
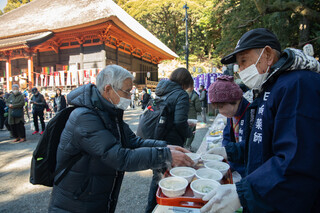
point(188, 199)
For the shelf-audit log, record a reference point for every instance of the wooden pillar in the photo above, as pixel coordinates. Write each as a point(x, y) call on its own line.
point(38, 59)
point(58, 56)
point(8, 75)
point(117, 55)
point(131, 61)
point(30, 72)
point(81, 56)
point(103, 55)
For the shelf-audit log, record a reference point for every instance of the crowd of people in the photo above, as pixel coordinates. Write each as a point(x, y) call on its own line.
point(271, 142)
point(15, 109)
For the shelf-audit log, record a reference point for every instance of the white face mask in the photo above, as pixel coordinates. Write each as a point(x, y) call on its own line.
point(251, 77)
point(15, 91)
point(124, 103)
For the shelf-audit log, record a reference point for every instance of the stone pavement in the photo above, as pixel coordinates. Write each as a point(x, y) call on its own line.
point(18, 195)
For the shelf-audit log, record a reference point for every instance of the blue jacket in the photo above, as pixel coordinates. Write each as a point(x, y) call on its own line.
point(236, 161)
point(284, 145)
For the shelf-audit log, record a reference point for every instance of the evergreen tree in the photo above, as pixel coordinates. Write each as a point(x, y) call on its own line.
point(13, 4)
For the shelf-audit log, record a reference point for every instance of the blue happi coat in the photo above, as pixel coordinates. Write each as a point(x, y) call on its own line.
point(236, 160)
point(284, 144)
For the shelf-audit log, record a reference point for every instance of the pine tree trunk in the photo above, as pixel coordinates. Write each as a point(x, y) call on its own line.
point(304, 31)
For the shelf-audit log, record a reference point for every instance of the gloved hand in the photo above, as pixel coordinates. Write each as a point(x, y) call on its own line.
point(222, 200)
point(218, 151)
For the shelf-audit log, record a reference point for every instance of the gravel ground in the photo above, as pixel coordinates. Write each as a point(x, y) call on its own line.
point(18, 195)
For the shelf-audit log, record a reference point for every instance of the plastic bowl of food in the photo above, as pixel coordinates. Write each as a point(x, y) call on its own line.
point(192, 122)
point(184, 172)
point(218, 165)
point(212, 174)
point(194, 156)
point(211, 157)
point(173, 186)
point(201, 187)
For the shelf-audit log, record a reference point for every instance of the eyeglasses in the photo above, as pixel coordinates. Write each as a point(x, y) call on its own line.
point(127, 93)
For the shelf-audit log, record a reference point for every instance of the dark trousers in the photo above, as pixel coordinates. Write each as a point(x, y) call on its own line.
point(189, 140)
point(26, 108)
point(152, 200)
point(6, 120)
point(18, 130)
point(35, 120)
point(204, 114)
point(2, 118)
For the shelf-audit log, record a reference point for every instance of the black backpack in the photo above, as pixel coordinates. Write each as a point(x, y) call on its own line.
point(43, 163)
point(156, 120)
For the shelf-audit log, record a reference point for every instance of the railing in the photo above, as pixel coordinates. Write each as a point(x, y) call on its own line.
point(151, 83)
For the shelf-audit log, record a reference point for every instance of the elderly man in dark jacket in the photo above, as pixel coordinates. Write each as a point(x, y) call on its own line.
point(108, 146)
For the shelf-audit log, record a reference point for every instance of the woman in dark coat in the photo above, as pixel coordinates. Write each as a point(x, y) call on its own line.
point(59, 101)
point(178, 102)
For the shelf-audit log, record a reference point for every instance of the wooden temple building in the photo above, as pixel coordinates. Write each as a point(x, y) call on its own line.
point(65, 43)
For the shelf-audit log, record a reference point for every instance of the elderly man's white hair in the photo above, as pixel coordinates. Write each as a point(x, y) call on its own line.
point(113, 75)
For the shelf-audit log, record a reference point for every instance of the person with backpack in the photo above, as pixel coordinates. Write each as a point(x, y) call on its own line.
point(15, 102)
point(177, 101)
point(145, 98)
point(204, 103)
point(282, 150)
point(39, 104)
point(194, 108)
point(59, 101)
point(97, 132)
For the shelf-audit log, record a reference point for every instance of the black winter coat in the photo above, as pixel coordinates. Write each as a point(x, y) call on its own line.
point(96, 129)
point(145, 100)
point(203, 98)
point(59, 103)
point(2, 105)
point(41, 103)
point(179, 107)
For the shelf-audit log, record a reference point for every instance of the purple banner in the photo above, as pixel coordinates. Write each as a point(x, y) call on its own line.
point(196, 83)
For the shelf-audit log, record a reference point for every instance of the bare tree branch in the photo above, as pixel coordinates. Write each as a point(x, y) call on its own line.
point(250, 22)
point(302, 44)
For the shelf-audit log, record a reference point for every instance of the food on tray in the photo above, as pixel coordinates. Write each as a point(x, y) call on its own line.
point(173, 186)
point(216, 132)
point(185, 172)
point(194, 156)
point(218, 165)
point(211, 157)
point(204, 189)
point(205, 173)
point(201, 187)
point(211, 145)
